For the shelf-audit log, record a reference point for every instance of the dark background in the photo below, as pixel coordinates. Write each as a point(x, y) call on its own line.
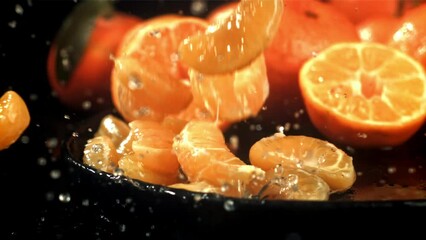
point(44, 196)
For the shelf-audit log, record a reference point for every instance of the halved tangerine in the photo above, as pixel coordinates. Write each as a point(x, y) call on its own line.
point(364, 94)
point(14, 118)
point(148, 79)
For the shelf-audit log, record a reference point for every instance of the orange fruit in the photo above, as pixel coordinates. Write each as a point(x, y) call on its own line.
point(359, 10)
point(410, 34)
point(234, 96)
point(377, 29)
point(307, 27)
point(313, 155)
point(364, 94)
point(204, 156)
point(235, 41)
point(14, 118)
point(148, 79)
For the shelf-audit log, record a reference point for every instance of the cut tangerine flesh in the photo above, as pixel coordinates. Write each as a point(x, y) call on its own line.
point(233, 42)
point(114, 128)
point(14, 118)
point(313, 155)
point(148, 79)
point(152, 146)
point(100, 153)
point(233, 96)
point(204, 156)
point(134, 168)
point(287, 183)
point(364, 94)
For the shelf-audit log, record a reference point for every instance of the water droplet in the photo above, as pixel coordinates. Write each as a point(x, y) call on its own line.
point(86, 105)
point(135, 83)
point(197, 197)
point(155, 34)
point(51, 143)
point(234, 142)
point(41, 161)
point(50, 196)
point(391, 170)
point(12, 24)
point(65, 197)
point(293, 182)
point(85, 202)
point(75, 134)
point(33, 96)
point(229, 205)
point(362, 135)
point(278, 169)
point(67, 116)
point(280, 129)
point(118, 172)
point(296, 126)
point(122, 227)
point(143, 111)
point(25, 139)
point(18, 9)
point(198, 7)
point(97, 148)
point(55, 174)
point(224, 188)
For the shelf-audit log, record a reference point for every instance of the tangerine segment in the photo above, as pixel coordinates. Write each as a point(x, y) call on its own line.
point(286, 183)
point(14, 118)
point(310, 154)
point(364, 94)
point(233, 42)
point(134, 168)
point(100, 153)
point(235, 96)
point(204, 156)
point(152, 146)
point(114, 128)
point(148, 80)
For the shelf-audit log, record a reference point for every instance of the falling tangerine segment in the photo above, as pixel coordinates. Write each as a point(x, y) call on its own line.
point(148, 80)
point(14, 118)
point(364, 94)
point(204, 156)
point(313, 155)
point(233, 42)
point(235, 96)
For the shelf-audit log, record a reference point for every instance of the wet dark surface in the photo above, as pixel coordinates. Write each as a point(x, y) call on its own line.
point(46, 195)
